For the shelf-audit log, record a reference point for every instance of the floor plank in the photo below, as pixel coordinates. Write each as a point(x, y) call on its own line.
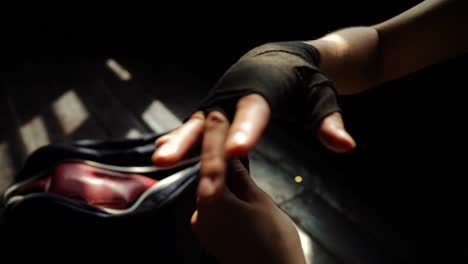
point(12, 151)
point(161, 96)
point(314, 252)
point(101, 103)
point(47, 111)
point(132, 96)
point(334, 231)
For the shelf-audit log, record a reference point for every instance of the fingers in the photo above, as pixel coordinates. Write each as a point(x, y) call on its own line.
point(194, 222)
point(194, 218)
point(250, 120)
point(333, 135)
point(172, 147)
point(241, 183)
point(213, 158)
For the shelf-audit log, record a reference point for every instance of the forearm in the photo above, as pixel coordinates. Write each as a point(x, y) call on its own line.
point(350, 58)
point(429, 33)
point(359, 58)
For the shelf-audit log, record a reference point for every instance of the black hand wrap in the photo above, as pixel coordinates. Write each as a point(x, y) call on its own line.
point(286, 74)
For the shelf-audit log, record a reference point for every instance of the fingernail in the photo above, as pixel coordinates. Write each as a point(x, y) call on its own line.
point(342, 133)
point(205, 188)
point(240, 137)
point(194, 217)
point(165, 150)
point(349, 141)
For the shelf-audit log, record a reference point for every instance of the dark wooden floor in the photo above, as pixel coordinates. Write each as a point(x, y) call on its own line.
point(44, 101)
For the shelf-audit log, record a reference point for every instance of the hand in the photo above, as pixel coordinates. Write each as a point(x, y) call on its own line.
point(276, 77)
point(243, 225)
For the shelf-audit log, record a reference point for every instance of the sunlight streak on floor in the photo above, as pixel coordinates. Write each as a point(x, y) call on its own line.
point(122, 73)
point(70, 111)
point(160, 118)
point(6, 166)
point(34, 134)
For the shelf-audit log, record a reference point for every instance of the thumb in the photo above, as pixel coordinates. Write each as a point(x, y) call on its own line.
point(333, 134)
point(240, 183)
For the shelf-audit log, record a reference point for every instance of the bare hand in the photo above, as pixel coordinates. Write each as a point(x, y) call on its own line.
point(251, 118)
point(243, 225)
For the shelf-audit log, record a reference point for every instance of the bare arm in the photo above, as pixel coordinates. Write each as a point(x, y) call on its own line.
point(359, 58)
point(356, 59)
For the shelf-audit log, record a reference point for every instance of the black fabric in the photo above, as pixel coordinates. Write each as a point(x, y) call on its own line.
point(158, 230)
point(286, 74)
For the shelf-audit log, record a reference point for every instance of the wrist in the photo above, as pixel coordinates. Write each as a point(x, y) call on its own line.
point(350, 58)
point(304, 50)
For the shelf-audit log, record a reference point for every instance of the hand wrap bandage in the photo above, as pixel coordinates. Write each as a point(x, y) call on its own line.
point(286, 74)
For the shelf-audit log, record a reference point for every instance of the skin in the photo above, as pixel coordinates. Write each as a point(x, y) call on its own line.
point(355, 59)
